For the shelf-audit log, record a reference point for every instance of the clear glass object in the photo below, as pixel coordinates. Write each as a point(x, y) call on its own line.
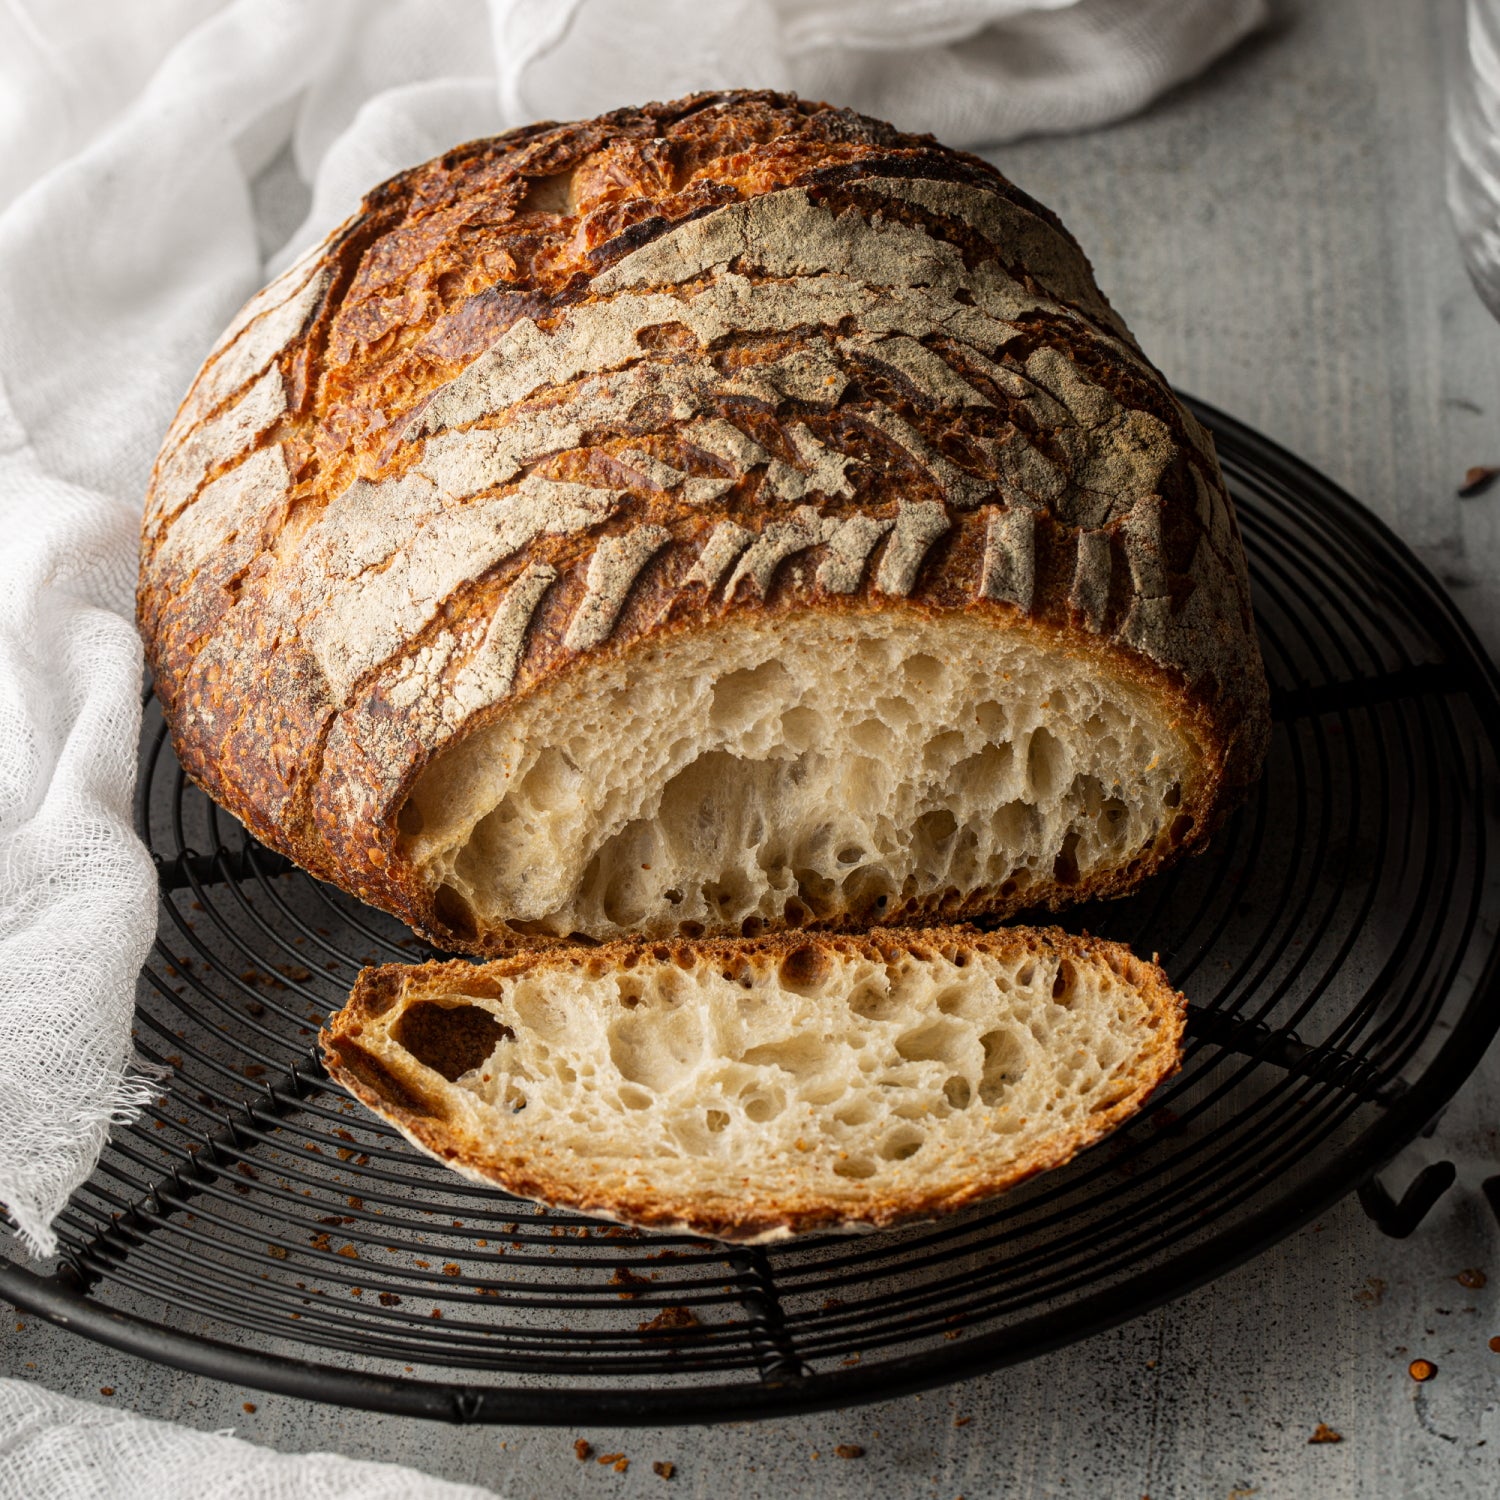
point(1474, 149)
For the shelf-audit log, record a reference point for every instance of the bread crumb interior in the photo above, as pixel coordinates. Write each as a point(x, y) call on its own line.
point(825, 1070)
point(800, 769)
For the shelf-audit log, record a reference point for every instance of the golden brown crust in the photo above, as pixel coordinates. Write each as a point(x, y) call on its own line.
point(402, 1091)
point(853, 370)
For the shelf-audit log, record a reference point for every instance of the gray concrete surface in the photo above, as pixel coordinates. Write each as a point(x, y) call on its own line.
point(1275, 235)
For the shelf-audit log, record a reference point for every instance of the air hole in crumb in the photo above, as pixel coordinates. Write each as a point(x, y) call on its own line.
point(1114, 820)
point(815, 892)
point(902, 1143)
point(1173, 796)
point(856, 1113)
point(871, 1002)
point(1003, 1065)
point(716, 1120)
point(1181, 827)
point(850, 854)
point(803, 1055)
point(866, 893)
point(801, 727)
point(450, 1039)
point(455, 913)
point(854, 1166)
point(1065, 982)
point(949, 902)
point(933, 1042)
point(1065, 866)
point(934, 829)
point(1026, 974)
point(743, 697)
point(957, 1092)
point(622, 900)
point(410, 820)
point(805, 968)
point(924, 671)
point(1046, 764)
point(947, 1001)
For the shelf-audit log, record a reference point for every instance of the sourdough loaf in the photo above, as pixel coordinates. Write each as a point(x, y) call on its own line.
point(749, 1089)
point(723, 515)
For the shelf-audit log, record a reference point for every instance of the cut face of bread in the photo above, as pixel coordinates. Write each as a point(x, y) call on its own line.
point(857, 768)
point(749, 1090)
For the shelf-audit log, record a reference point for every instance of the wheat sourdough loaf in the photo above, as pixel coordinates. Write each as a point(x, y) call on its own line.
point(719, 516)
point(749, 1089)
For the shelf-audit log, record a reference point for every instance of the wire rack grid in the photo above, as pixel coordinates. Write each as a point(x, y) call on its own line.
point(1337, 944)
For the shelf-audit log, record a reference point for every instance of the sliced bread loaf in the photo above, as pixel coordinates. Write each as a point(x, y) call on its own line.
point(721, 516)
point(753, 1089)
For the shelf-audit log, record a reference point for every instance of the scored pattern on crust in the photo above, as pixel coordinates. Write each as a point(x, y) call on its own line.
point(826, 388)
point(612, 572)
point(1008, 572)
point(1118, 453)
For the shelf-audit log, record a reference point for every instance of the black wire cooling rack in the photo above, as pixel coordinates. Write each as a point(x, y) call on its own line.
point(1338, 945)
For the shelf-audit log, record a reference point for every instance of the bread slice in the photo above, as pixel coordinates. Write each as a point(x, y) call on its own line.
point(753, 1089)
